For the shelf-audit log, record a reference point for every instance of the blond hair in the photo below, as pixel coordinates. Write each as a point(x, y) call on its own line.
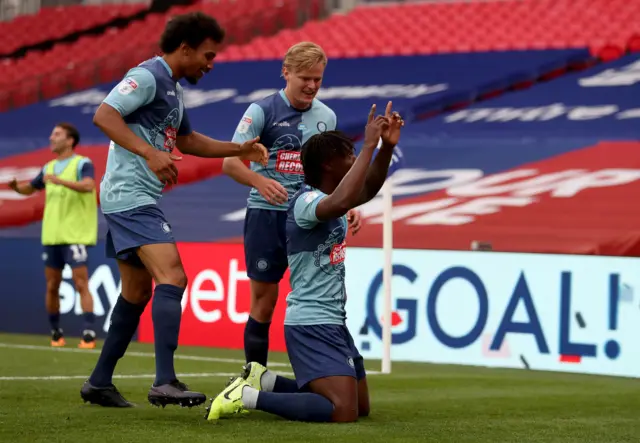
point(304, 55)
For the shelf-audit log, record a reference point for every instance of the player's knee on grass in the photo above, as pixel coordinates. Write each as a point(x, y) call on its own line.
point(345, 410)
point(264, 297)
point(342, 392)
point(363, 398)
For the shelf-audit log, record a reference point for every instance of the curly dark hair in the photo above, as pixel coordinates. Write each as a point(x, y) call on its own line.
point(321, 149)
point(191, 28)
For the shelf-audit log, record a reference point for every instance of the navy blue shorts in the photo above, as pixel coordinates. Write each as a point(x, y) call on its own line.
point(320, 351)
point(56, 256)
point(265, 244)
point(128, 230)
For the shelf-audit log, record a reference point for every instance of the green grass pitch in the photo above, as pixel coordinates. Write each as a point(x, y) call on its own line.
point(40, 402)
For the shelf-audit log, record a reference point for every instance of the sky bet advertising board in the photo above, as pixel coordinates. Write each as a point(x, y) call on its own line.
point(528, 311)
point(534, 311)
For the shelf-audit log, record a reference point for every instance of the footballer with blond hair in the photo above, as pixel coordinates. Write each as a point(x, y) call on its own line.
point(284, 121)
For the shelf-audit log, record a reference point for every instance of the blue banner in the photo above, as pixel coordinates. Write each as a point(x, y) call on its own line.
point(217, 103)
point(598, 103)
point(23, 295)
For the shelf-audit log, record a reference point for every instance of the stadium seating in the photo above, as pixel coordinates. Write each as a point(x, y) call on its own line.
point(74, 66)
point(606, 27)
point(419, 28)
point(55, 23)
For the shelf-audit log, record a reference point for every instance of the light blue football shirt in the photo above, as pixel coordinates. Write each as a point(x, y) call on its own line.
point(316, 253)
point(283, 130)
point(151, 103)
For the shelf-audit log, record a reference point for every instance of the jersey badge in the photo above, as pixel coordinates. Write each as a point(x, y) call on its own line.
point(244, 125)
point(127, 86)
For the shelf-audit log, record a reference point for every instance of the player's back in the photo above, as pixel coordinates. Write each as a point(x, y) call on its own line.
point(283, 130)
point(151, 104)
point(316, 253)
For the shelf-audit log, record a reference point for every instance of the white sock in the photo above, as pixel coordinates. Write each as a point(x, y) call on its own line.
point(249, 397)
point(268, 381)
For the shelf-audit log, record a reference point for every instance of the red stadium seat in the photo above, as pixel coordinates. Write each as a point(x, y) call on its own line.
point(57, 22)
point(607, 27)
point(633, 45)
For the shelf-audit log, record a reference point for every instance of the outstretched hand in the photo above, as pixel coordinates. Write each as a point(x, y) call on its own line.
point(391, 133)
point(253, 151)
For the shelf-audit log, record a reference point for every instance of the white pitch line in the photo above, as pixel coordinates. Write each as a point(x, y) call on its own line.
point(149, 376)
point(142, 354)
point(135, 354)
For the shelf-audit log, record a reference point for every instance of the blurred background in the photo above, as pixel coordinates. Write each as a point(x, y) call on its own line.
point(521, 154)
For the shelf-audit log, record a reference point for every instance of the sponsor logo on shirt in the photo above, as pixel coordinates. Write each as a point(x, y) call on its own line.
point(288, 162)
point(338, 253)
point(170, 137)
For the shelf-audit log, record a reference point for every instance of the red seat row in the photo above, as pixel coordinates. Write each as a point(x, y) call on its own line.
point(607, 27)
point(57, 22)
point(93, 57)
point(604, 26)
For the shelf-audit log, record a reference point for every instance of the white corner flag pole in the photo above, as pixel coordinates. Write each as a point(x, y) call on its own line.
point(387, 248)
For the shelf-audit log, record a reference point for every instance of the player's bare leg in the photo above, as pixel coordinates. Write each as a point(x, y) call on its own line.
point(81, 282)
point(53, 277)
point(125, 317)
point(342, 392)
point(264, 297)
point(163, 262)
point(363, 398)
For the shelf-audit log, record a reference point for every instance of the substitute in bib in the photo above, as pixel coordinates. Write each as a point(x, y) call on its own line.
point(69, 226)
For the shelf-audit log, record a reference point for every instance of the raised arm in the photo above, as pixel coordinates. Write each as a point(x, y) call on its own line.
point(347, 194)
point(377, 173)
point(194, 143)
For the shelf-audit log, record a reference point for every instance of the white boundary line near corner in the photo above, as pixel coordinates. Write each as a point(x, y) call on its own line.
point(136, 354)
point(123, 376)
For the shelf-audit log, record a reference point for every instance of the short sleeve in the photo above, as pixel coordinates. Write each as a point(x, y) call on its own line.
point(304, 210)
point(85, 169)
point(137, 89)
point(38, 182)
point(185, 124)
point(251, 124)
